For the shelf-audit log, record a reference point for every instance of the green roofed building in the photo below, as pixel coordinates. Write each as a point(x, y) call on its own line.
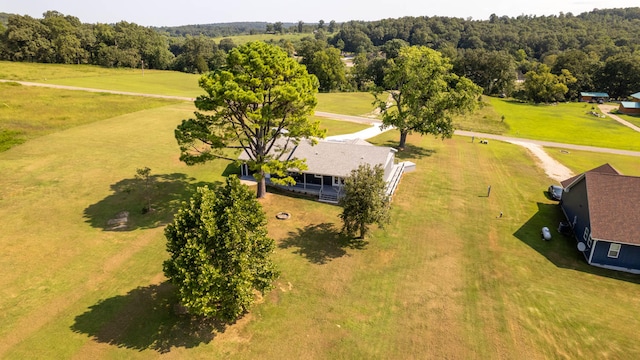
point(594, 97)
point(631, 107)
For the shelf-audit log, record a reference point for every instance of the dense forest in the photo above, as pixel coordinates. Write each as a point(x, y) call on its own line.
point(593, 51)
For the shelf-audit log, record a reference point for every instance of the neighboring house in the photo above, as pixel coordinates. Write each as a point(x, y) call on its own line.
point(330, 162)
point(603, 208)
point(594, 96)
point(631, 107)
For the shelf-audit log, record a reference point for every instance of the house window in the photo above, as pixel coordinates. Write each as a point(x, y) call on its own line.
point(589, 241)
point(614, 250)
point(317, 176)
point(586, 236)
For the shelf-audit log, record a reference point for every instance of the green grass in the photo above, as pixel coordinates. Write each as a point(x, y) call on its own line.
point(485, 119)
point(635, 120)
point(581, 161)
point(336, 127)
point(159, 82)
point(242, 39)
point(28, 112)
point(565, 123)
point(446, 279)
point(355, 103)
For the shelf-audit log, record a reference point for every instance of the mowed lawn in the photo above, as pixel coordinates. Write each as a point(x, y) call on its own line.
point(28, 112)
point(350, 103)
point(580, 161)
point(447, 278)
point(634, 119)
point(159, 82)
point(171, 83)
point(569, 123)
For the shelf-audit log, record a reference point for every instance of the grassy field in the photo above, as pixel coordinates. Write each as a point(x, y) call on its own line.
point(337, 127)
point(159, 82)
point(28, 112)
point(635, 120)
point(566, 123)
point(241, 39)
point(446, 279)
point(484, 119)
point(580, 161)
point(354, 103)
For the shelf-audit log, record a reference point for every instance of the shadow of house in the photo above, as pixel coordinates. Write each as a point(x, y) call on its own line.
point(320, 243)
point(144, 319)
point(128, 199)
point(561, 249)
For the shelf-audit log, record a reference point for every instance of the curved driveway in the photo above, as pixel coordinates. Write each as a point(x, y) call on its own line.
point(479, 135)
point(363, 120)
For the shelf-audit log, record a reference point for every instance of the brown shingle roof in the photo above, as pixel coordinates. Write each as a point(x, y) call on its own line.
point(614, 207)
point(604, 169)
point(614, 203)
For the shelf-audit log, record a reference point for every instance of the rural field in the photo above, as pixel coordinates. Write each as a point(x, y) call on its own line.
point(447, 278)
point(565, 123)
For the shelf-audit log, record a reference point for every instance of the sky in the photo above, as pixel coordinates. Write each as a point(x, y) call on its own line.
point(187, 12)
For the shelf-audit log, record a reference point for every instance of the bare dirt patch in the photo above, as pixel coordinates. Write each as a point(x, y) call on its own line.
point(554, 169)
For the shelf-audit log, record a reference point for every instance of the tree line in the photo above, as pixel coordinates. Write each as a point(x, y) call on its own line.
point(592, 51)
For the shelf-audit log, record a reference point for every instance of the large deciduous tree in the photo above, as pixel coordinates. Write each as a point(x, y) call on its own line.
point(365, 201)
point(259, 102)
point(424, 93)
point(327, 66)
point(620, 75)
point(495, 71)
point(542, 86)
point(219, 252)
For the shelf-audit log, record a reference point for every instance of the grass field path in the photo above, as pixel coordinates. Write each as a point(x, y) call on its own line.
point(608, 109)
point(77, 88)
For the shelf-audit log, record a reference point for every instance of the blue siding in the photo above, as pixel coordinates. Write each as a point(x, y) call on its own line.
point(575, 205)
point(629, 256)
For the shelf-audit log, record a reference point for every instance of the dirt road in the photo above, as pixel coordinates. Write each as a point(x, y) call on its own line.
point(607, 109)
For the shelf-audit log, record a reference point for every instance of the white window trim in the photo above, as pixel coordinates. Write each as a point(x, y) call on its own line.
point(614, 250)
point(589, 241)
point(586, 235)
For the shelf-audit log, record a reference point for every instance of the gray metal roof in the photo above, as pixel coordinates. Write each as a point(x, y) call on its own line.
point(636, 95)
point(594, 94)
point(334, 158)
point(630, 104)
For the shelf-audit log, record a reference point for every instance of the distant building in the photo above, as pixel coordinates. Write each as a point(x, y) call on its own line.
point(631, 107)
point(603, 209)
point(592, 97)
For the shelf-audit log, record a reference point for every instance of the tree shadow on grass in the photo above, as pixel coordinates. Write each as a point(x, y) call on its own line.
point(144, 319)
point(410, 151)
point(167, 193)
point(561, 250)
point(232, 169)
point(321, 243)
